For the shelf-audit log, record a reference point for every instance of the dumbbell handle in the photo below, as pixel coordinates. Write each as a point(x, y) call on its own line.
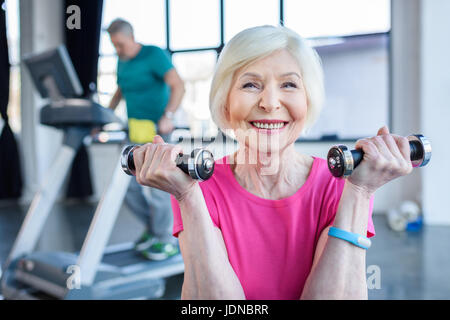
point(415, 146)
point(342, 162)
point(199, 164)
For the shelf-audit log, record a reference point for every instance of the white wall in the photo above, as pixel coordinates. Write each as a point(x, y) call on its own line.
point(421, 82)
point(405, 70)
point(40, 29)
point(435, 107)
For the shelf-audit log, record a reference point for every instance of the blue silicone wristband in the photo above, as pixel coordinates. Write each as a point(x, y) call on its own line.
point(353, 238)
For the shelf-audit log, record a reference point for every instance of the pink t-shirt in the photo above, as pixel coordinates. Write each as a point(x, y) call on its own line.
point(271, 243)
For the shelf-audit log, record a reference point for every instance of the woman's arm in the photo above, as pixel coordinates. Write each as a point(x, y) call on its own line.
point(339, 268)
point(208, 273)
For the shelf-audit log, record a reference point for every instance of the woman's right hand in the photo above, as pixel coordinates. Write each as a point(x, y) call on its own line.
point(156, 168)
point(386, 157)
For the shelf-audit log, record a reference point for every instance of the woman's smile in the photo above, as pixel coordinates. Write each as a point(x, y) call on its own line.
point(268, 126)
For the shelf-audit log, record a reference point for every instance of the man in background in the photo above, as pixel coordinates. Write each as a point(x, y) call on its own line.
point(153, 91)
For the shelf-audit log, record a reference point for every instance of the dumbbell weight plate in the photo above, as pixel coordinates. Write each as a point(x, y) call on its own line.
point(425, 151)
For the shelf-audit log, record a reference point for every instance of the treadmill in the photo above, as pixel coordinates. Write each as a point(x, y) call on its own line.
point(97, 271)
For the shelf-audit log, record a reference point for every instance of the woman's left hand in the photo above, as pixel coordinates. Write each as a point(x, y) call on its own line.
point(386, 157)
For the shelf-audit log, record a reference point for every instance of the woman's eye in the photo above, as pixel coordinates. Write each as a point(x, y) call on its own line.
point(249, 85)
point(289, 84)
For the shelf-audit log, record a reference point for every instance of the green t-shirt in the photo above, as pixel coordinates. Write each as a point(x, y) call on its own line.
point(141, 80)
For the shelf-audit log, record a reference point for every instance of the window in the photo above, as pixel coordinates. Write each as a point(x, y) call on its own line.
point(240, 15)
point(146, 17)
point(328, 18)
point(196, 69)
point(194, 24)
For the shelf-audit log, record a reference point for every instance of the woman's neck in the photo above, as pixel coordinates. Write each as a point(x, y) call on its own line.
point(271, 176)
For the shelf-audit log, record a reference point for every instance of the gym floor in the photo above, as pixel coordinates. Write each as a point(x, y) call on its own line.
point(412, 265)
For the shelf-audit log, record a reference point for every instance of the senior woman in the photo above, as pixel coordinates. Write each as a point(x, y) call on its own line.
point(258, 228)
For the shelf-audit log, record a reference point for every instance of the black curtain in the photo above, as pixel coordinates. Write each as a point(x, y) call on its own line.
point(10, 170)
point(83, 47)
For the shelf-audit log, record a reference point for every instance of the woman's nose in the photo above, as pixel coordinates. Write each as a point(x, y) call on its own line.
point(269, 99)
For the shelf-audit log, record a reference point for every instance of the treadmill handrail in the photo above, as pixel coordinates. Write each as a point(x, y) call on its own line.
point(102, 224)
point(76, 102)
point(41, 205)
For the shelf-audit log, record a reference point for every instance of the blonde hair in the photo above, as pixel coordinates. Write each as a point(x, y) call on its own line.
point(258, 42)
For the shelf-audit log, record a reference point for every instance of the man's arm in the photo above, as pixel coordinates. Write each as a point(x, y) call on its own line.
point(177, 89)
point(115, 99)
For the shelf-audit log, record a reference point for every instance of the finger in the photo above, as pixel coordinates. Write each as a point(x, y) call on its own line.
point(383, 130)
point(383, 150)
point(158, 139)
point(404, 147)
point(392, 146)
point(172, 154)
point(367, 146)
point(157, 156)
point(138, 157)
point(148, 158)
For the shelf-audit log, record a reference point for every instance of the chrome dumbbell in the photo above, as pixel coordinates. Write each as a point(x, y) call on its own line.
point(342, 161)
point(199, 164)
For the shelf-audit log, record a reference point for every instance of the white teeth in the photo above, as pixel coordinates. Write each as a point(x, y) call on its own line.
point(268, 126)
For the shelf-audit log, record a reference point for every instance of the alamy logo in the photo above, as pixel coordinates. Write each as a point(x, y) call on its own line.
point(73, 281)
point(374, 279)
point(74, 20)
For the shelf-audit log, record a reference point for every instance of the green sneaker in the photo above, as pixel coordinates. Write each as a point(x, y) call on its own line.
point(160, 251)
point(144, 242)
